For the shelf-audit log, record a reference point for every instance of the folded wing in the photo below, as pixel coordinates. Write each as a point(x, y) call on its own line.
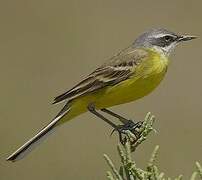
point(119, 68)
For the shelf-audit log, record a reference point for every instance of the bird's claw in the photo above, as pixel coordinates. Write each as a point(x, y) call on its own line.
point(131, 126)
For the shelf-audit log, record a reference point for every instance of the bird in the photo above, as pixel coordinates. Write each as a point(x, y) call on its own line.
point(129, 75)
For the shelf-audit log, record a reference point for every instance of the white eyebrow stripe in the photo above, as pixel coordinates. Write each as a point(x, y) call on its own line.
point(162, 35)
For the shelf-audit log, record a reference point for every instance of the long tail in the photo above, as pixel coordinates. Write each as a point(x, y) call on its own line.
point(39, 137)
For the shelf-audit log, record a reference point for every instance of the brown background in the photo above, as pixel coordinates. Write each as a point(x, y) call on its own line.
point(46, 47)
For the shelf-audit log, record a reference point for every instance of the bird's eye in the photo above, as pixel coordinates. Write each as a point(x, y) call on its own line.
point(168, 38)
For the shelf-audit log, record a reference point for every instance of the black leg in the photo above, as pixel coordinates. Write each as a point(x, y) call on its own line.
point(92, 109)
point(121, 118)
point(127, 124)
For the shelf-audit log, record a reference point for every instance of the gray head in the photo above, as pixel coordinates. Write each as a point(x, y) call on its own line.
point(161, 40)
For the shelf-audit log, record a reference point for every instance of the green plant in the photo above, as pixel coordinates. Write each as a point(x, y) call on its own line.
point(128, 169)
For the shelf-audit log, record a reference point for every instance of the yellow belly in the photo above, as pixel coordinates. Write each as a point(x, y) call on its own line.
point(146, 78)
point(129, 91)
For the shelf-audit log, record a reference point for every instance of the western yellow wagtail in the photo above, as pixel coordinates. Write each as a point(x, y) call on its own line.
point(127, 76)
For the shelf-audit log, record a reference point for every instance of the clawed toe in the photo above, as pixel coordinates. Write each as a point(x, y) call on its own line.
point(131, 126)
point(127, 125)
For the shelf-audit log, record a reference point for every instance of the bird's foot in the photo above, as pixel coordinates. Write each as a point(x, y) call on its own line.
point(127, 125)
point(131, 126)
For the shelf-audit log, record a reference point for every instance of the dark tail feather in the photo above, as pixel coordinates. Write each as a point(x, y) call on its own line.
point(38, 138)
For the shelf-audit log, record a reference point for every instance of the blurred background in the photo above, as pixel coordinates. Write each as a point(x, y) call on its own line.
point(47, 46)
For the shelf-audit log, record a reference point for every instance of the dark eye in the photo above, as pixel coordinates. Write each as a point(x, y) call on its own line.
point(168, 38)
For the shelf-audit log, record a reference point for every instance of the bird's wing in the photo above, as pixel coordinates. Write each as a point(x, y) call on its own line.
point(119, 68)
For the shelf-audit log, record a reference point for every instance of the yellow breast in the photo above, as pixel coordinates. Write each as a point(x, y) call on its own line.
point(146, 78)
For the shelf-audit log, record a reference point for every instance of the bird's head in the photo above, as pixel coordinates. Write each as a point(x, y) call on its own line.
point(161, 40)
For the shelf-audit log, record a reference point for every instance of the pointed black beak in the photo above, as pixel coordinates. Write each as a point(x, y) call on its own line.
point(186, 38)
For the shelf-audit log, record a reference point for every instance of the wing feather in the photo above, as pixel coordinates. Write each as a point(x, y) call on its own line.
point(119, 68)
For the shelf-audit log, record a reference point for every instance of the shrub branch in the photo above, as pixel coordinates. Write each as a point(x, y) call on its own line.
point(128, 169)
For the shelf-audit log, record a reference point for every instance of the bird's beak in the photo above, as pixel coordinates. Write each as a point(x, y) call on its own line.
point(186, 38)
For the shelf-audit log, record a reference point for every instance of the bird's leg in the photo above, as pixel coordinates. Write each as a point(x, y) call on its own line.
point(91, 108)
point(127, 123)
point(121, 118)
